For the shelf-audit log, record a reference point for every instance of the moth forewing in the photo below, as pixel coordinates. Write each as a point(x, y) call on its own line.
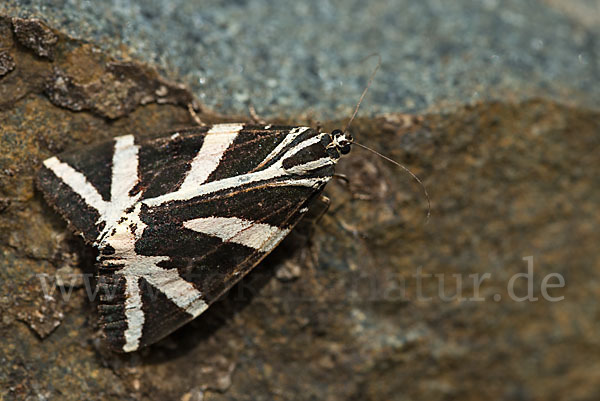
point(180, 219)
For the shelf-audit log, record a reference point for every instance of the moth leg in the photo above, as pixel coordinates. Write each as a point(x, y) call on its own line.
point(318, 209)
point(343, 178)
point(254, 115)
point(315, 214)
point(345, 181)
point(194, 115)
point(306, 226)
point(299, 241)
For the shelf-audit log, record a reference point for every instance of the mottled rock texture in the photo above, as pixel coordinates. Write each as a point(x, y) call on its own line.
point(288, 57)
point(377, 304)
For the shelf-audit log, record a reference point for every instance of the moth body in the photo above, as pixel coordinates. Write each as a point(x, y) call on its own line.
point(179, 219)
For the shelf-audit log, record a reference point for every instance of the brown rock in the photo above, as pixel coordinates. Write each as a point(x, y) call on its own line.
point(36, 36)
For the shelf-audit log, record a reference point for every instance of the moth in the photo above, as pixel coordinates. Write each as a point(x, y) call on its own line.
point(179, 219)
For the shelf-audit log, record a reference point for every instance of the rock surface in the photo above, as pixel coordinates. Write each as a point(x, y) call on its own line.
point(379, 304)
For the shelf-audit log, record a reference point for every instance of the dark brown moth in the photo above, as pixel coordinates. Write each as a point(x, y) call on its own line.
point(178, 220)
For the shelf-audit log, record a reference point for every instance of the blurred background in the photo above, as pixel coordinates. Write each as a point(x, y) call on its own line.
point(290, 57)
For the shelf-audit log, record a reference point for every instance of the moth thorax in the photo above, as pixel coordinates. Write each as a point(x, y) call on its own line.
point(341, 140)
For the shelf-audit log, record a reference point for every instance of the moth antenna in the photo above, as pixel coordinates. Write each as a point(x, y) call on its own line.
point(413, 175)
point(365, 90)
point(362, 96)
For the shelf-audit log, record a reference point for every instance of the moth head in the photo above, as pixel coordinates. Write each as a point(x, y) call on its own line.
point(341, 140)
